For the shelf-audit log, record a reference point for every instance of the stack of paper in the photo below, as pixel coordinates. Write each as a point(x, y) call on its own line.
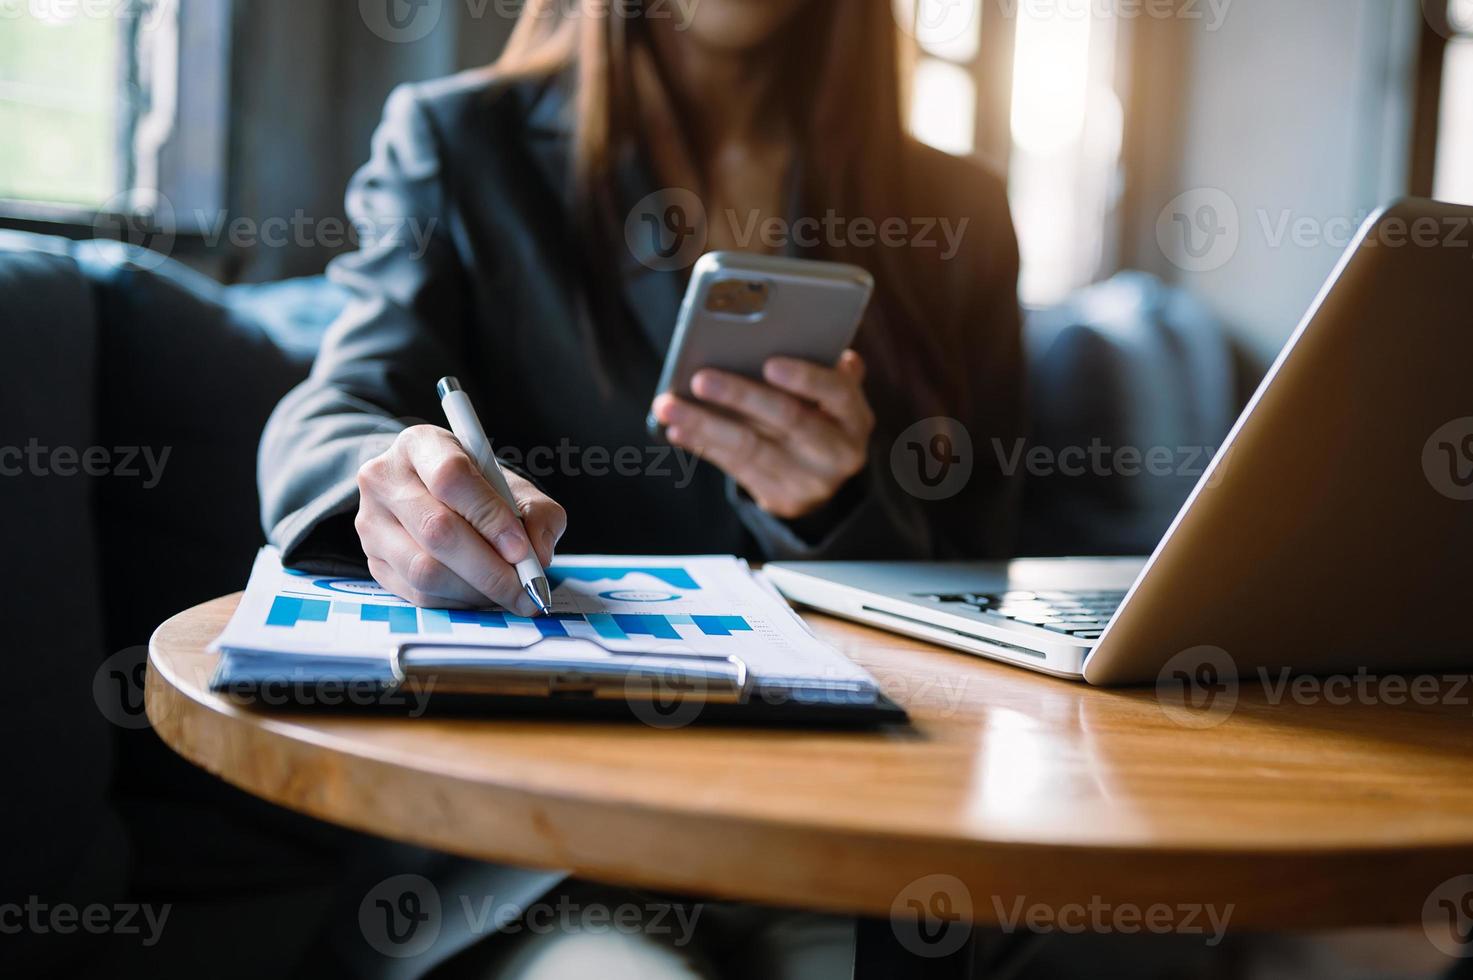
point(304, 627)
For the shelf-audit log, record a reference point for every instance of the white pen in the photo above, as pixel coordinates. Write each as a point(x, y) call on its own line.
point(472, 435)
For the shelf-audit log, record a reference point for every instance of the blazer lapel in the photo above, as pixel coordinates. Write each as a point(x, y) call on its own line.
point(650, 291)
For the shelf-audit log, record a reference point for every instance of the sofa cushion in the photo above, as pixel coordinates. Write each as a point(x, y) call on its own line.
point(63, 837)
point(1134, 385)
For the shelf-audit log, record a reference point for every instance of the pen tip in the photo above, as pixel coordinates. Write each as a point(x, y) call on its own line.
point(540, 594)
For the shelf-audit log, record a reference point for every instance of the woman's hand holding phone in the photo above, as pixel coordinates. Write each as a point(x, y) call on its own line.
point(791, 443)
point(437, 535)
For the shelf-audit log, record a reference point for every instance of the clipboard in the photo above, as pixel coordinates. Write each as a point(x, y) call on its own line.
point(557, 671)
point(630, 635)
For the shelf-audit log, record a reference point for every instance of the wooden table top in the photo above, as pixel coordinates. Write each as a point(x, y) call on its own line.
point(1015, 785)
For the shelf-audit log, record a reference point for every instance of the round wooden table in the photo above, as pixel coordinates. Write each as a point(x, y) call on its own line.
point(1012, 790)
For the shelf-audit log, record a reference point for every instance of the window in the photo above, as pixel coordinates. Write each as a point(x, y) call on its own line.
point(1454, 168)
point(1061, 140)
point(60, 77)
point(943, 104)
point(1066, 128)
point(95, 118)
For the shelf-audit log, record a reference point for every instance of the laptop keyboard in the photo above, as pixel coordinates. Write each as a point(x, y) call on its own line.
point(1079, 614)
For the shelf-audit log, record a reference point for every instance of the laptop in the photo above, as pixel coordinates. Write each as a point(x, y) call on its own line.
point(1332, 533)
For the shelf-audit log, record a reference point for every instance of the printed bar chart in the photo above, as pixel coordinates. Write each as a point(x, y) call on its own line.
point(288, 611)
point(676, 578)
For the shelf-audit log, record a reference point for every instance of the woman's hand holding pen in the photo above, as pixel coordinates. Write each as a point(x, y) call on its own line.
point(793, 442)
point(437, 534)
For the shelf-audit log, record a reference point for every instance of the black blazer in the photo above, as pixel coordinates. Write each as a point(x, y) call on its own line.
point(466, 266)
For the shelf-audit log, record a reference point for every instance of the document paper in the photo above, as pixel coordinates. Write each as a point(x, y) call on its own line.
point(702, 606)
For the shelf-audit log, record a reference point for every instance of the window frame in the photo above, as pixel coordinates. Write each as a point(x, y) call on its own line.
point(1437, 34)
point(191, 164)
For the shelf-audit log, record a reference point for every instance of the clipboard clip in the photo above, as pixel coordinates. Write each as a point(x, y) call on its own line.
point(559, 670)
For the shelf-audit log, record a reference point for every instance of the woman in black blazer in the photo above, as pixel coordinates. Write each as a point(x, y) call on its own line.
point(502, 220)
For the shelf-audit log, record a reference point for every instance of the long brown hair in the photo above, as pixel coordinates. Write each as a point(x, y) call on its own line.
point(846, 102)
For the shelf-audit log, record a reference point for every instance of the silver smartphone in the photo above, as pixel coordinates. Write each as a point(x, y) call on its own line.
point(741, 309)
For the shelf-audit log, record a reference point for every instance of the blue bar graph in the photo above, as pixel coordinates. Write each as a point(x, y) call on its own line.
point(603, 624)
point(289, 610)
point(657, 626)
point(677, 578)
point(721, 625)
point(472, 617)
point(401, 619)
point(436, 621)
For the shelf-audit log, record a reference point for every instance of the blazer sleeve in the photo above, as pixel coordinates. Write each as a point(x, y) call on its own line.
point(376, 371)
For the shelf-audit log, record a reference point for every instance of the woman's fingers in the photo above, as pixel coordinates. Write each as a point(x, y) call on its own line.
point(777, 480)
point(545, 519)
point(440, 531)
point(403, 568)
point(814, 437)
point(455, 480)
point(839, 391)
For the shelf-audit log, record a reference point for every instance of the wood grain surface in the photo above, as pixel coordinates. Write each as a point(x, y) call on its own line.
point(1013, 787)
